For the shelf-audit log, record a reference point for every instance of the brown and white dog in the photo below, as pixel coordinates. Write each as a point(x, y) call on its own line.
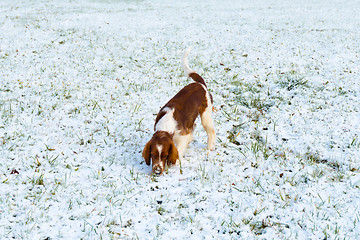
point(175, 122)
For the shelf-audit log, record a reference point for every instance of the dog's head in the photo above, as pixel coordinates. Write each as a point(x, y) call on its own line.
point(160, 150)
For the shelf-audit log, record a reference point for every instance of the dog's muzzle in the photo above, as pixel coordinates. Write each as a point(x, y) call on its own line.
point(157, 169)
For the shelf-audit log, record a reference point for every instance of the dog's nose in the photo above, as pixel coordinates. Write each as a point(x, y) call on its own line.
point(157, 170)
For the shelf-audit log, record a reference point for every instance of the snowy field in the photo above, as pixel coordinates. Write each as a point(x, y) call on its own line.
point(82, 81)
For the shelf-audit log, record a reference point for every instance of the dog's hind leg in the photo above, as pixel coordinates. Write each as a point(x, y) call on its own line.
point(208, 124)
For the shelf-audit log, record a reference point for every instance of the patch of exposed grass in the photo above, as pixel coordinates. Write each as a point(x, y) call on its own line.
point(290, 80)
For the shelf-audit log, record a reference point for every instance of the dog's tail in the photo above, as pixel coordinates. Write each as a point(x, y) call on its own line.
point(185, 63)
point(188, 71)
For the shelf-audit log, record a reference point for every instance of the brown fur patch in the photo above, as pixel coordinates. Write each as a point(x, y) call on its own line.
point(197, 78)
point(188, 104)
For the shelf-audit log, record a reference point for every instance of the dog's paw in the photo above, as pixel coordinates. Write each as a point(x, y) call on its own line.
point(211, 147)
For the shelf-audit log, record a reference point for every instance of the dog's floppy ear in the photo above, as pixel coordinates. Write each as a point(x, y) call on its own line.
point(173, 154)
point(146, 153)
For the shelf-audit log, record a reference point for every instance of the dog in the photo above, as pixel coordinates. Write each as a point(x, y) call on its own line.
point(175, 122)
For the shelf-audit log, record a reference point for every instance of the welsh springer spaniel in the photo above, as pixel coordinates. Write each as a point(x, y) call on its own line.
point(175, 122)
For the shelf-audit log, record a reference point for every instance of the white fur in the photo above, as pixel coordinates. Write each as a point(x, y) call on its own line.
point(167, 123)
point(159, 147)
point(182, 141)
point(207, 122)
point(185, 63)
point(157, 168)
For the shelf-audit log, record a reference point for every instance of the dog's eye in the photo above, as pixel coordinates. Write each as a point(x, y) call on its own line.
point(164, 156)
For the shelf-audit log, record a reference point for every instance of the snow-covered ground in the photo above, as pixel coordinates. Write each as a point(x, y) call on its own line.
point(82, 81)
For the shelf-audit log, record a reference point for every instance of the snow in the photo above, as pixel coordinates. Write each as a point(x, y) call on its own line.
point(82, 81)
